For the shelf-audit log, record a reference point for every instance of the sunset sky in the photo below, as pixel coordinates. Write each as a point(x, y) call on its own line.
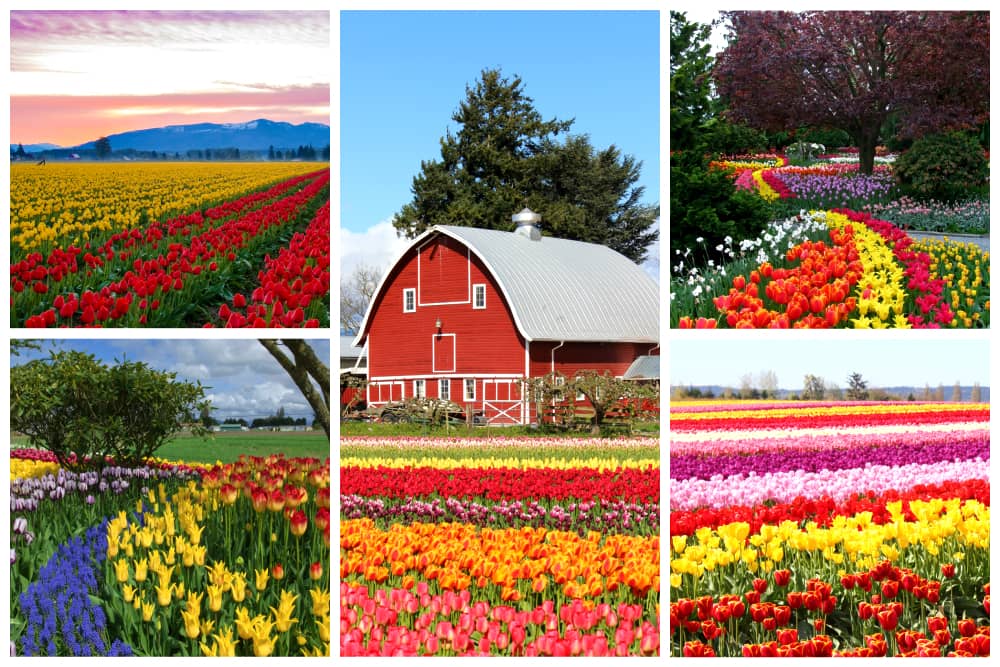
point(76, 76)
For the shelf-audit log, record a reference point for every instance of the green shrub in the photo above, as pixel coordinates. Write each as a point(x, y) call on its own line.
point(832, 139)
point(724, 138)
point(704, 204)
point(945, 167)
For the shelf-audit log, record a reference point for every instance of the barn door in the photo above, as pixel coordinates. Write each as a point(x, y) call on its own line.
point(443, 353)
point(502, 401)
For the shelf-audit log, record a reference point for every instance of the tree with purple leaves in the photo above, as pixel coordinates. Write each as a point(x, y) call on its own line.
point(928, 71)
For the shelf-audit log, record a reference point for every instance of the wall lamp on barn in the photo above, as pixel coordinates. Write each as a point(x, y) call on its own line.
point(437, 323)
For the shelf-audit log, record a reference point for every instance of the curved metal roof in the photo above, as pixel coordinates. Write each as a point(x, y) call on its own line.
point(562, 290)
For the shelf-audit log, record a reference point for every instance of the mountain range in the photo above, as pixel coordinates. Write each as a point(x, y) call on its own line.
point(256, 135)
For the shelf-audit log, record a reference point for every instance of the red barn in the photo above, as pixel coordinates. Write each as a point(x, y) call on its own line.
point(464, 314)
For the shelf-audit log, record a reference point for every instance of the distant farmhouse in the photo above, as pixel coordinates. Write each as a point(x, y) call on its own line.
point(465, 314)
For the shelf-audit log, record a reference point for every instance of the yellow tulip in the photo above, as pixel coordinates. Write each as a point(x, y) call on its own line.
point(239, 587)
point(121, 570)
point(128, 593)
point(226, 644)
point(261, 580)
point(323, 626)
point(283, 614)
point(263, 643)
point(147, 611)
point(214, 593)
point(141, 570)
point(192, 625)
point(164, 594)
point(320, 601)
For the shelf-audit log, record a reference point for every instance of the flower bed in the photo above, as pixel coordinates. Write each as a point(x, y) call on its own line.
point(150, 271)
point(474, 556)
point(861, 273)
point(795, 541)
point(173, 560)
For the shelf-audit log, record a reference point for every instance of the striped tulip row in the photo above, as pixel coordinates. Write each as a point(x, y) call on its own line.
point(816, 545)
point(543, 556)
point(502, 483)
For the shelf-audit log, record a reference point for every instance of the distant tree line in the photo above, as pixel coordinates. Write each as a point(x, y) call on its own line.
point(102, 151)
point(815, 388)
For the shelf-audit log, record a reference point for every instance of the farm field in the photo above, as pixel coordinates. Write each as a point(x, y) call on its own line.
point(802, 528)
point(509, 546)
point(170, 245)
point(838, 254)
point(168, 559)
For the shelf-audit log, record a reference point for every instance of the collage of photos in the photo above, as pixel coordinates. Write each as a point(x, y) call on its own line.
point(501, 438)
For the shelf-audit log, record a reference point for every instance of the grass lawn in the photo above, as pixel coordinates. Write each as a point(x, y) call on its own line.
point(227, 447)
point(383, 430)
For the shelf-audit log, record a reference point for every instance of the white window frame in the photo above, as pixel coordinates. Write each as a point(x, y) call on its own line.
point(469, 398)
point(419, 389)
point(478, 289)
point(444, 389)
point(410, 292)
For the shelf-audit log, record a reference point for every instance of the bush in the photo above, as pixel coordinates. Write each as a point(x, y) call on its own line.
point(705, 204)
point(945, 167)
point(724, 138)
point(832, 138)
point(75, 407)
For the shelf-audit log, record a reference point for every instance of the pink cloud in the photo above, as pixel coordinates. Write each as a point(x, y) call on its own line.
point(69, 120)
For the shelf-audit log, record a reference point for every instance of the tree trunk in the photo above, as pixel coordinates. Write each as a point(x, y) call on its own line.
point(305, 367)
point(867, 139)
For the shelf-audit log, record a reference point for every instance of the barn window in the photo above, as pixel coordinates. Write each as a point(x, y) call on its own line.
point(419, 389)
point(470, 389)
point(409, 300)
point(479, 296)
point(444, 390)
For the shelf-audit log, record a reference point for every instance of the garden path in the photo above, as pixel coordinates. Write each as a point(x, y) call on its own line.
point(982, 241)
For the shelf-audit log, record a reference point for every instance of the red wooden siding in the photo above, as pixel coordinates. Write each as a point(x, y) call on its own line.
point(444, 272)
point(400, 344)
point(574, 357)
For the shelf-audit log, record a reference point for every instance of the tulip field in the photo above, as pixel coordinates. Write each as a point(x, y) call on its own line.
point(803, 528)
point(844, 260)
point(169, 559)
point(170, 245)
point(501, 546)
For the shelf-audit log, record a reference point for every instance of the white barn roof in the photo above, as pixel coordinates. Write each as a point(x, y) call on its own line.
point(559, 289)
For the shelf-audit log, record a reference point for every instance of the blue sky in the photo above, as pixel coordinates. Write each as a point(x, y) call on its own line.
point(404, 73)
point(882, 362)
point(244, 379)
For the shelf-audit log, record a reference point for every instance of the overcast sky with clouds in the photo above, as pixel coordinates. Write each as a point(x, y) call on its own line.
point(243, 379)
point(404, 73)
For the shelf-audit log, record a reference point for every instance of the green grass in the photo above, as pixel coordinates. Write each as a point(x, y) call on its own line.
point(373, 430)
point(227, 447)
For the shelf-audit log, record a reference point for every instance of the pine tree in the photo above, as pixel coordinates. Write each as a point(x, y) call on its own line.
point(505, 156)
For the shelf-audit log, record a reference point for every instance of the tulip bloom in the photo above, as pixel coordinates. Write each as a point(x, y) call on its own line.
point(298, 523)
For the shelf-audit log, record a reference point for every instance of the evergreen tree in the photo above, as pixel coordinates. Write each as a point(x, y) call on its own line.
point(857, 388)
point(505, 156)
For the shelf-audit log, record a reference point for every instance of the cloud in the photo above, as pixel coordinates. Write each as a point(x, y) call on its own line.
point(652, 262)
point(259, 400)
point(377, 247)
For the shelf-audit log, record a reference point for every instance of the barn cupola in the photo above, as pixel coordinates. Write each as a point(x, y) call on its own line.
point(527, 224)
